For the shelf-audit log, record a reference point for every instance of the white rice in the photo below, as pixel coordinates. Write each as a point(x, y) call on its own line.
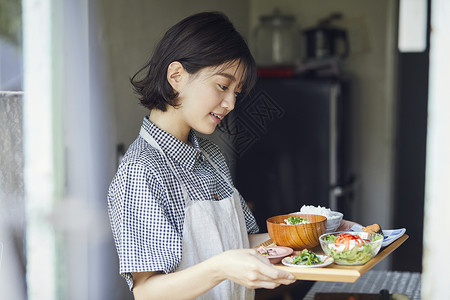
point(333, 217)
point(310, 209)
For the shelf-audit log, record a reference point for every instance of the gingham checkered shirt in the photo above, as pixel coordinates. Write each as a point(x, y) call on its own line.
point(146, 203)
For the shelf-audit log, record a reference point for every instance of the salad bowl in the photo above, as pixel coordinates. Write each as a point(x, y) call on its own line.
point(298, 236)
point(350, 247)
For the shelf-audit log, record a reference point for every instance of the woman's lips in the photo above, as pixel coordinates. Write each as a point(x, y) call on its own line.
point(216, 117)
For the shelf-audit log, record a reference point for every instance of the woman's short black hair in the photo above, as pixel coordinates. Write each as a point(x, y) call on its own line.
point(202, 40)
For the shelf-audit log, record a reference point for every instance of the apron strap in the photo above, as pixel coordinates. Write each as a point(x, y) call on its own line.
point(146, 136)
point(217, 169)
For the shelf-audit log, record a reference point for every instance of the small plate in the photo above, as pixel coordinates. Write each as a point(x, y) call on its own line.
point(279, 252)
point(325, 261)
point(390, 235)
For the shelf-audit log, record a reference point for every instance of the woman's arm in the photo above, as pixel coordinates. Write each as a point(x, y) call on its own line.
point(243, 266)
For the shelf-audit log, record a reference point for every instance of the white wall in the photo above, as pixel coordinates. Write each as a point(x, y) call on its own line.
point(371, 67)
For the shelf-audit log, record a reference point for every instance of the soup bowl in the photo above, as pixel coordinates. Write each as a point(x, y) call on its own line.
point(299, 236)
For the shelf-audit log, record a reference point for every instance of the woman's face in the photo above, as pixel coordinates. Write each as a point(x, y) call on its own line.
point(206, 97)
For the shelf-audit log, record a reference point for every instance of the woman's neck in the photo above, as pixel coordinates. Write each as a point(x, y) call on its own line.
point(170, 122)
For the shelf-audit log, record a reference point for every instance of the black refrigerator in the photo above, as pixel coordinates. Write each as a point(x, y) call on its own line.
point(289, 144)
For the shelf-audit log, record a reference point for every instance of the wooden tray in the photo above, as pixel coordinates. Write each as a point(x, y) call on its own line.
point(336, 272)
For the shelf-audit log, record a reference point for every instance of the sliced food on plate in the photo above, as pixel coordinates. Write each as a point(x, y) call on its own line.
point(307, 258)
point(389, 235)
point(276, 253)
point(374, 228)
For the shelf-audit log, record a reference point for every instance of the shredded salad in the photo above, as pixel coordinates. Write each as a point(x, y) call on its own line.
point(351, 249)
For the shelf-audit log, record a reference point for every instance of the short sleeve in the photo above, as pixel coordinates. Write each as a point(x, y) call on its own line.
point(145, 238)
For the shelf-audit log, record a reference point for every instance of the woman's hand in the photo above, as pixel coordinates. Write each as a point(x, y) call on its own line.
point(249, 268)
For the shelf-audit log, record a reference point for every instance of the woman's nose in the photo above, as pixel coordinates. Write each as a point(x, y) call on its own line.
point(229, 101)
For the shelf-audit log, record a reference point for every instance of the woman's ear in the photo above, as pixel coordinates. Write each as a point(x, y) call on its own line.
point(175, 73)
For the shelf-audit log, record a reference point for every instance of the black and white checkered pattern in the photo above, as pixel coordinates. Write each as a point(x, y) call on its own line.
point(146, 203)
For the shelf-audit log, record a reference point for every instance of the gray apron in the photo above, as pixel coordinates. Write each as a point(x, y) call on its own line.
point(210, 228)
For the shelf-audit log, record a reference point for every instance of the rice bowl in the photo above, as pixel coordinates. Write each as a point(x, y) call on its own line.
point(334, 218)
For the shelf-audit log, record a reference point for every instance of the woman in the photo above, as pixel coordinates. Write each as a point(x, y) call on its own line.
point(181, 229)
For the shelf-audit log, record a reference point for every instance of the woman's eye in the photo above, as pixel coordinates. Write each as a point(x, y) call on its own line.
point(223, 87)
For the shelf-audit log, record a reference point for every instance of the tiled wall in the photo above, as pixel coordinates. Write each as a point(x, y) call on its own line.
point(11, 153)
point(12, 206)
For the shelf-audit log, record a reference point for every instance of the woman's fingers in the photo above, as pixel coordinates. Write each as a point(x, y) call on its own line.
point(249, 268)
point(263, 285)
point(275, 274)
point(264, 278)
